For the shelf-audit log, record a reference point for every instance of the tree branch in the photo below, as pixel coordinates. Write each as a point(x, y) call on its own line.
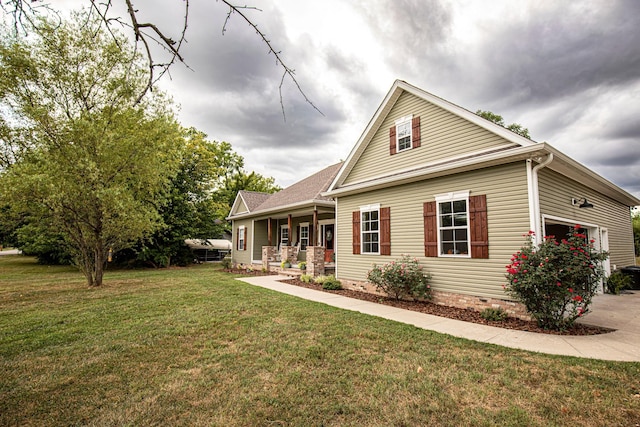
point(287, 70)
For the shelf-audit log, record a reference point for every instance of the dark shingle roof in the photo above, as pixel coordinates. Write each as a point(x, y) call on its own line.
point(253, 199)
point(307, 190)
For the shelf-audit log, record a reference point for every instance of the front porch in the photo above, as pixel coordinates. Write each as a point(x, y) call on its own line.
point(288, 261)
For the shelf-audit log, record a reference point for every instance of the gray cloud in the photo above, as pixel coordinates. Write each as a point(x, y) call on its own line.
point(568, 71)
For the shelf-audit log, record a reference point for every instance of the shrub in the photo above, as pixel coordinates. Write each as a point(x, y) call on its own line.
point(226, 262)
point(494, 314)
point(401, 278)
point(556, 281)
point(302, 265)
point(617, 282)
point(306, 278)
point(320, 279)
point(332, 284)
point(285, 264)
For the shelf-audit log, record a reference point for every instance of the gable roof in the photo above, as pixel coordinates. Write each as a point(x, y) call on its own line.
point(253, 199)
point(522, 149)
point(308, 191)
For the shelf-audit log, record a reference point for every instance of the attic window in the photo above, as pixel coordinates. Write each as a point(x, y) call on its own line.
point(405, 135)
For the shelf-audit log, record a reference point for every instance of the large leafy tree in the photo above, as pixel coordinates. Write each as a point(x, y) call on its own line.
point(497, 119)
point(81, 149)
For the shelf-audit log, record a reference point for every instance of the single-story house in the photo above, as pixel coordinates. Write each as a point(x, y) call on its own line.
point(271, 228)
point(435, 181)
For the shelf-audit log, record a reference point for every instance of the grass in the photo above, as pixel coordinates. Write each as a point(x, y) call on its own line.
point(195, 347)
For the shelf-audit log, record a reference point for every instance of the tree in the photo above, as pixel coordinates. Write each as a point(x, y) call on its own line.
point(198, 199)
point(190, 209)
point(85, 151)
point(497, 119)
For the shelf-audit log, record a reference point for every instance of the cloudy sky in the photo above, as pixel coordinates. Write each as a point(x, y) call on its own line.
point(568, 71)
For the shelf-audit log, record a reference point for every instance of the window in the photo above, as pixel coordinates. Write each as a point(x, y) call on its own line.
point(444, 231)
point(453, 224)
point(284, 235)
point(405, 135)
point(370, 229)
point(241, 238)
point(304, 236)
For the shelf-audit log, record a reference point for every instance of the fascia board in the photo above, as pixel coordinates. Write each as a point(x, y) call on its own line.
point(372, 127)
point(442, 169)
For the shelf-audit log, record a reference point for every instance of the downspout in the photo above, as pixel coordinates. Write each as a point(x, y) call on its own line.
point(534, 196)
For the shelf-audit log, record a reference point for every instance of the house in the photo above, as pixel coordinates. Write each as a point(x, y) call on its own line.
point(287, 225)
point(436, 181)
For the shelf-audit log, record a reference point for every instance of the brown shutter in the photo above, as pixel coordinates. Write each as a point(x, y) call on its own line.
point(430, 229)
point(356, 232)
point(244, 242)
point(238, 238)
point(478, 225)
point(385, 231)
point(393, 148)
point(415, 132)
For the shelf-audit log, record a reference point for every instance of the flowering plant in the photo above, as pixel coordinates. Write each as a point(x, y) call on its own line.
point(556, 281)
point(401, 278)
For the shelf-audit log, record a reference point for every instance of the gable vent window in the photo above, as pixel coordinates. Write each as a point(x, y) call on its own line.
point(405, 135)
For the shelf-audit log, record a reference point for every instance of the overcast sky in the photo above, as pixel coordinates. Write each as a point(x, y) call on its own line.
point(569, 71)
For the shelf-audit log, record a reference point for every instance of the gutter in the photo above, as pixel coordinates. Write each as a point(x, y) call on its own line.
point(535, 223)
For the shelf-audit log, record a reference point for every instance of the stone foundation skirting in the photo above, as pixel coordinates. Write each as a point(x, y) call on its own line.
point(476, 303)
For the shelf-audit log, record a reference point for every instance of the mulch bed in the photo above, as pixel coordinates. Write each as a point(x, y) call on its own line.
point(466, 315)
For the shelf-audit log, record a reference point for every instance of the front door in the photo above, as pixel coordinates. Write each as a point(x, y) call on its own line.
point(328, 239)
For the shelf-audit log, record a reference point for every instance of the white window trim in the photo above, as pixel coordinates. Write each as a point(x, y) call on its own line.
point(242, 230)
point(369, 208)
point(301, 225)
point(284, 227)
point(451, 197)
point(400, 121)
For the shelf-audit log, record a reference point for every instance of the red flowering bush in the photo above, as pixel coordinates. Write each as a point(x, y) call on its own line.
point(556, 281)
point(401, 278)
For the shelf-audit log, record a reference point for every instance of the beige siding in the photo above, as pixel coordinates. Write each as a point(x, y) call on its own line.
point(443, 135)
point(241, 207)
point(260, 238)
point(508, 219)
point(241, 257)
point(556, 192)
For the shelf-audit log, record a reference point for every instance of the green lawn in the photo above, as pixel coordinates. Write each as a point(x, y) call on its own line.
point(195, 347)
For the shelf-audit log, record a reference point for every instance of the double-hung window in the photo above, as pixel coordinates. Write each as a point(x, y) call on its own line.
point(370, 228)
point(284, 235)
point(453, 224)
point(304, 236)
point(403, 133)
point(241, 238)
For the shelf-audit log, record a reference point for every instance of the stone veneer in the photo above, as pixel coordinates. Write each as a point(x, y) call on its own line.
point(315, 260)
point(476, 303)
point(289, 253)
point(268, 255)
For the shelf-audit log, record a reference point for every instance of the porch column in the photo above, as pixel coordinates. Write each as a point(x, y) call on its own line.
point(290, 226)
point(315, 260)
point(269, 232)
point(314, 229)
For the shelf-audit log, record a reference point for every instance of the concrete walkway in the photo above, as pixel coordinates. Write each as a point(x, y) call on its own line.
point(620, 312)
